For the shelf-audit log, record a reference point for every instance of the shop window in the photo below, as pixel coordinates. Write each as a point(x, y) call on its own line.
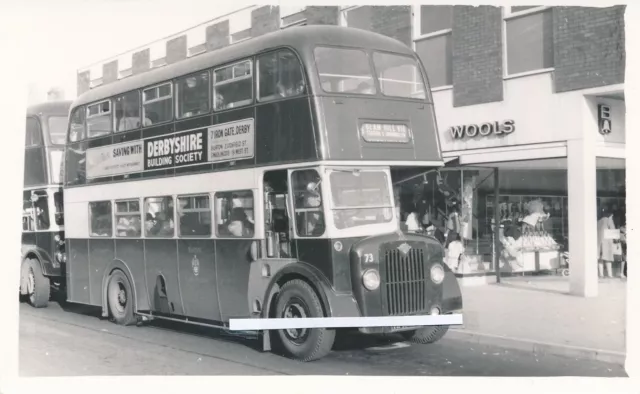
point(279, 75)
point(127, 111)
point(235, 214)
point(194, 215)
point(99, 119)
point(307, 203)
point(233, 85)
point(159, 217)
point(157, 104)
point(344, 71)
point(33, 134)
point(100, 219)
point(192, 95)
point(529, 39)
point(433, 43)
point(77, 127)
point(128, 222)
point(399, 76)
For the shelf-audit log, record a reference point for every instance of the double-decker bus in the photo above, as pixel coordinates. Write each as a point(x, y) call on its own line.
point(255, 182)
point(42, 210)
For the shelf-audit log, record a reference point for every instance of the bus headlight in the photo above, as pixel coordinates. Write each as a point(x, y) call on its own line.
point(61, 257)
point(371, 279)
point(437, 273)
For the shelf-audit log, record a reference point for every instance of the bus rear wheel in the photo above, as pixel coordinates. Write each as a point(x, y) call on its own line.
point(426, 335)
point(298, 300)
point(120, 299)
point(38, 285)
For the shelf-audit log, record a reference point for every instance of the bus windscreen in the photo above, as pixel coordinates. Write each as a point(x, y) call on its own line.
point(57, 129)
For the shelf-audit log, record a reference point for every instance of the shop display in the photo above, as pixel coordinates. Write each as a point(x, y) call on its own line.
point(531, 248)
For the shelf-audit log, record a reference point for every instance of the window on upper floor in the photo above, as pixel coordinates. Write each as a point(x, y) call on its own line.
point(279, 75)
point(528, 38)
point(192, 95)
point(157, 104)
point(233, 85)
point(99, 119)
point(433, 26)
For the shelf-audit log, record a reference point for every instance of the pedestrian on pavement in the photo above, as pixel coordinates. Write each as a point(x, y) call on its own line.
point(605, 243)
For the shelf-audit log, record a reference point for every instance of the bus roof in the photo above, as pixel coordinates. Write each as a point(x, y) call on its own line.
point(58, 107)
point(297, 37)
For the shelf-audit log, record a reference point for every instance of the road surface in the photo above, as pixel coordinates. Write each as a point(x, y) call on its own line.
point(71, 340)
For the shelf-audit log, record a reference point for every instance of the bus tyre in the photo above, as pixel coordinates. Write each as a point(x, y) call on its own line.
point(38, 285)
point(120, 299)
point(298, 300)
point(426, 335)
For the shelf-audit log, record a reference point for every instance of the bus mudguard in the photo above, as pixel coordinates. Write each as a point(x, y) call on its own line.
point(43, 257)
point(336, 305)
point(121, 265)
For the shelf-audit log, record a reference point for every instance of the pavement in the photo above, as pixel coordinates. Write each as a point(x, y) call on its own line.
point(538, 315)
point(72, 340)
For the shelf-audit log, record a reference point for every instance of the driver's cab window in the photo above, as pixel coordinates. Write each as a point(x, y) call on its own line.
point(307, 200)
point(35, 211)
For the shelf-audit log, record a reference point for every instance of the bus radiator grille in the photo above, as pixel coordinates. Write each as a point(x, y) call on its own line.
point(405, 281)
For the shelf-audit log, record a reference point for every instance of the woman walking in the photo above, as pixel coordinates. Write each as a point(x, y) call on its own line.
point(605, 245)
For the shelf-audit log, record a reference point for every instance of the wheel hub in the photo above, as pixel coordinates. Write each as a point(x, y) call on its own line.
point(294, 310)
point(31, 283)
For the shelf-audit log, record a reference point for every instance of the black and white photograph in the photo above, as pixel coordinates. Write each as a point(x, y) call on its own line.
point(221, 189)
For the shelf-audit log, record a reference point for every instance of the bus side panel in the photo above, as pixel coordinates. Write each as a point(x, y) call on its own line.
point(131, 252)
point(317, 252)
point(78, 271)
point(233, 263)
point(284, 132)
point(198, 278)
point(161, 264)
point(102, 253)
point(28, 239)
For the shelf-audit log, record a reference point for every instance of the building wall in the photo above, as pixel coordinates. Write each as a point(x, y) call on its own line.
point(588, 45)
point(477, 55)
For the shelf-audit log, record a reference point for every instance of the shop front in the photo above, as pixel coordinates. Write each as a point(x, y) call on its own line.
point(546, 167)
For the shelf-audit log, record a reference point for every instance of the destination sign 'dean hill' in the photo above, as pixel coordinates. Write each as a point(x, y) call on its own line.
point(385, 132)
point(231, 141)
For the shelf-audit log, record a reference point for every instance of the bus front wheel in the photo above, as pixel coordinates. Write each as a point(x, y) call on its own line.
point(120, 299)
point(38, 285)
point(297, 299)
point(426, 335)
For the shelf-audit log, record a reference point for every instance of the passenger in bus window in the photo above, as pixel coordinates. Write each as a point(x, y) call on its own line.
point(240, 224)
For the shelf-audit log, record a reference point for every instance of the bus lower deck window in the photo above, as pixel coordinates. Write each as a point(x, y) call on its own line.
point(100, 217)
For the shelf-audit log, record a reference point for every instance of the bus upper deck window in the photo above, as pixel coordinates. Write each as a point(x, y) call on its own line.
point(344, 71)
point(233, 85)
point(127, 111)
point(279, 75)
point(99, 119)
point(76, 128)
point(399, 75)
point(192, 95)
point(157, 104)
